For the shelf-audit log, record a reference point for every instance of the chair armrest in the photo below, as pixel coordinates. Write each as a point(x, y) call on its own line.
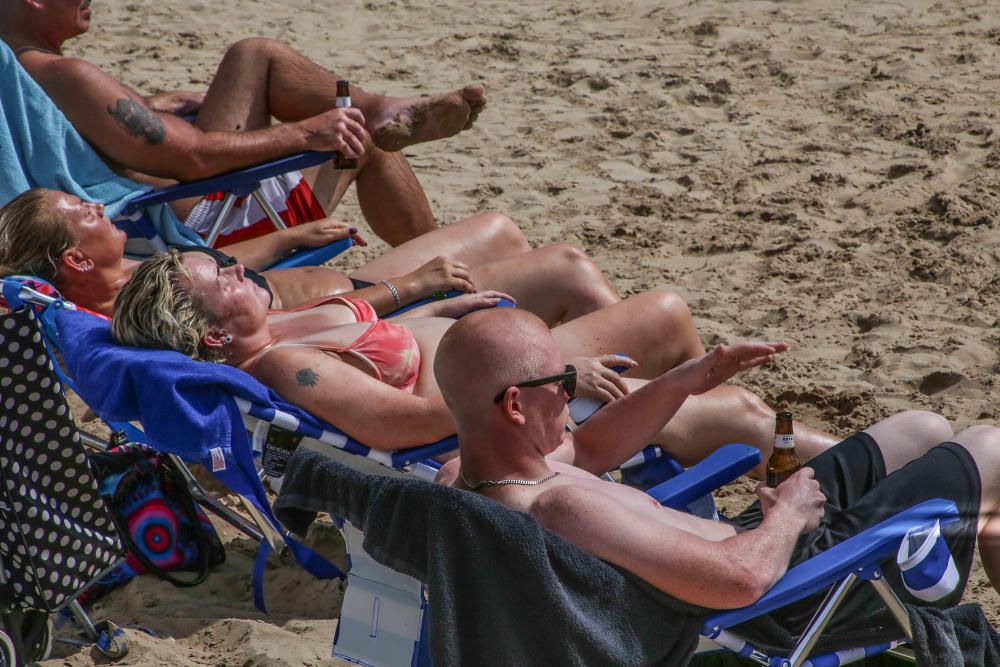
point(242, 179)
point(866, 549)
point(720, 467)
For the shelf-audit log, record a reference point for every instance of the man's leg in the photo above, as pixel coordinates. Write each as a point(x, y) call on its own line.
point(390, 196)
point(983, 443)
point(908, 435)
point(730, 414)
point(480, 239)
point(259, 78)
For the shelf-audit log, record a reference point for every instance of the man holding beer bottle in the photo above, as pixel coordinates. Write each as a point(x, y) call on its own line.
point(515, 450)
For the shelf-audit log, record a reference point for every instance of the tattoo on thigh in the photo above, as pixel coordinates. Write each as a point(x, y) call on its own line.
point(307, 377)
point(138, 120)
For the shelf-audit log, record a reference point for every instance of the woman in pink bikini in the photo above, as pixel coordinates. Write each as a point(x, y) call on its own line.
point(374, 378)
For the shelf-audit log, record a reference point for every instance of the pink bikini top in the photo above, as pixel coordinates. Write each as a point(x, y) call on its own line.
point(389, 350)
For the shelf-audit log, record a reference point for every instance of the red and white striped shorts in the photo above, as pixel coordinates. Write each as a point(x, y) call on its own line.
point(289, 194)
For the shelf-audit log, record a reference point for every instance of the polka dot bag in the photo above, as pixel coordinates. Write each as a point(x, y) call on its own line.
point(56, 534)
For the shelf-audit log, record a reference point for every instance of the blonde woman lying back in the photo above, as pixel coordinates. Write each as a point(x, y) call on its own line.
point(374, 378)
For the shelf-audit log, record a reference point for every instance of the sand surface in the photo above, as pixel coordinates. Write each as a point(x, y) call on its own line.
point(819, 172)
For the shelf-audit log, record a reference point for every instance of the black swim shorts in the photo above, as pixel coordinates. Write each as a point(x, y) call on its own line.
point(859, 495)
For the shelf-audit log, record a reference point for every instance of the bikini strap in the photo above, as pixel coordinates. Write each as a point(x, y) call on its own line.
point(274, 346)
point(260, 353)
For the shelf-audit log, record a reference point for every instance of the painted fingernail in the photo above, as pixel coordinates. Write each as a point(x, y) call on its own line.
point(353, 230)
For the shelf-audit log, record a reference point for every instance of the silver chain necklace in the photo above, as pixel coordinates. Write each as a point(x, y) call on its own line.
point(504, 482)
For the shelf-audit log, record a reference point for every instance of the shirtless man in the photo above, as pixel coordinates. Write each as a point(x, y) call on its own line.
point(510, 430)
point(257, 79)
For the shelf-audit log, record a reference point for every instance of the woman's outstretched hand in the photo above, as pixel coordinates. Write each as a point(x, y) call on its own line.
point(439, 274)
point(595, 377)
point(464, 304)
point(320, 232)
point(708, 371)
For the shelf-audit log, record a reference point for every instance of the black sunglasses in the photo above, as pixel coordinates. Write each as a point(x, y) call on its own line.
point(221, 258)
point(567, 378)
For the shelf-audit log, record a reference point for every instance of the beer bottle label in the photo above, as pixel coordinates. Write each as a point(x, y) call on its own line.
point(278, 448)
point(342, 101)
point(784, 441)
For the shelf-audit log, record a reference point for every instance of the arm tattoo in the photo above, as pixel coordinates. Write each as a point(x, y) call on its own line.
point(307, 377)
point(138, 120)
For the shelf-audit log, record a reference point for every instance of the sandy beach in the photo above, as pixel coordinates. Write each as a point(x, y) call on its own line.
point(819, 172)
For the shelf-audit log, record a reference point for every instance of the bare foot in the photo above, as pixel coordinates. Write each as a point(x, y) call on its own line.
point(413, 120)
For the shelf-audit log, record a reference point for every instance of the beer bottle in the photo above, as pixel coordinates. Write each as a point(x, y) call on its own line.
point(279, 446)
point(784, 461)
point(344, 100)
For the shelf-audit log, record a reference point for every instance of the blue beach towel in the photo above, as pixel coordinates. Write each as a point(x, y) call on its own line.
point(186, 408)
point(40, 148)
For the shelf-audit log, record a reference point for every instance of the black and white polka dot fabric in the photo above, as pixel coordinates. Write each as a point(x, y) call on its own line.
point(56, 535)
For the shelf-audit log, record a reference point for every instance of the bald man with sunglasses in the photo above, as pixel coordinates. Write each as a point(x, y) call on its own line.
point(506, 383)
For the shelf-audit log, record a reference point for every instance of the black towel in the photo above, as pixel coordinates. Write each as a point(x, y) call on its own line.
point(956, 637)
point(504, 590)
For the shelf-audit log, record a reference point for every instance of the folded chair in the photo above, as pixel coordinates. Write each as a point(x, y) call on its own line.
point(56, 535)
point(39, 147)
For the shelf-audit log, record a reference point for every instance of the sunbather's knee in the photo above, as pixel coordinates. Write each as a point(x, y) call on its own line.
point(934, 428)
point(669, 308)
point(983, 444)
point(981, 440)
point(582, 277)
point(503, 233)
point(253, 48)
point(907, 435)
point(749, 405)
point(573, 258)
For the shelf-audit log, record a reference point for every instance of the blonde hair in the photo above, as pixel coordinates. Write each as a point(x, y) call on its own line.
point(33, 236)
point(156, 308)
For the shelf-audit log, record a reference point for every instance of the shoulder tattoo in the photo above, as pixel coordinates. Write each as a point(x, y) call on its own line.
point(138, 120)
point(307, 377)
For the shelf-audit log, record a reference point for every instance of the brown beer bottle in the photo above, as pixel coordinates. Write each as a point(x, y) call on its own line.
point(344, 100)
point(279, 446)
point(784, 461)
